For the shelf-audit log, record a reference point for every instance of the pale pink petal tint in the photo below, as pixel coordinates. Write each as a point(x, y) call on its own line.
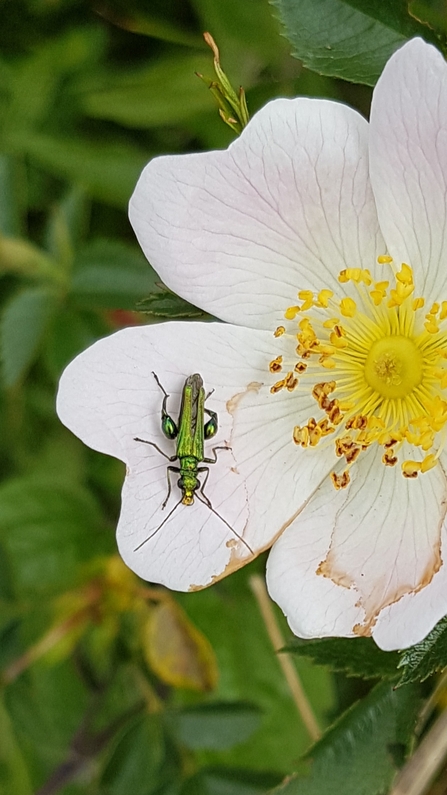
point(309, 189)
point(289, 202)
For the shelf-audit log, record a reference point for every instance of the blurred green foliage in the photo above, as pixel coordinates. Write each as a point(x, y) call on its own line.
point(92, 699)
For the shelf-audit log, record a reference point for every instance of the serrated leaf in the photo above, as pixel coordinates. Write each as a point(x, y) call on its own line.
point(169, 305)
point(111, 274)
point(22, 327)
point(176, 651)
point(361, 753)
point(216, 726)
point(350, 39)
point(353, 656)
point(108, 171)
point(427, 657)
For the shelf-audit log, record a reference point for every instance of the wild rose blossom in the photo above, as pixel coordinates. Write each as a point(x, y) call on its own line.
point(322, 241)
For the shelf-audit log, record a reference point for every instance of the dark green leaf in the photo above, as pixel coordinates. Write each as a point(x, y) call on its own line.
point(166, 92)
point(12, 194)
point(108, 171)
point(48, 529)
point(134, 764)
point(230, 781)
point(47, 705)
point(111, 274)
point(245, 34)
point(35, 80)
point(427, 657)
point(67, 227)
point(169, 305)
point(22, 327)
point(352, 656)
point(361, 752)
point(250, 670)
point(217, 726)
point(351, 39)
point(69, 334)
point(14, 776)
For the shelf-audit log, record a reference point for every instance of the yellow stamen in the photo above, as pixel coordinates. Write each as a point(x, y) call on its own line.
point(388, 368)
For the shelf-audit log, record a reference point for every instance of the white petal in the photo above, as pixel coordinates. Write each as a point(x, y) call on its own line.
point(380, 539)
point(409, 162)
point(314, 605)
point(286, 207)
point(411, 619)
point(108, 396)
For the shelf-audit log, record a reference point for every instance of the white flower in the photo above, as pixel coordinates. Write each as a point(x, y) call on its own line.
point(322, 240)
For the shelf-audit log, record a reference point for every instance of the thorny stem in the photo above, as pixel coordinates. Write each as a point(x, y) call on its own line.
point(418, 773)
point(303, 706)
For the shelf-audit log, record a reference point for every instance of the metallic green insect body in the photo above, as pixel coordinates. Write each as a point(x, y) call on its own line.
point(190, 432)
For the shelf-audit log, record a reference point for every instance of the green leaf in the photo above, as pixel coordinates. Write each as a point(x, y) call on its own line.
point(134, 765)
point(148, 24)
point(48, 529)
point(427, 657)
point(351, 39)
point(111, 274)
point(352, 656)
point(69, 334)
point(245, 33)
point(12, 195)
point(230, 781)
point(35, 80)
point(166, 92)
point(14, 777)
point(22, 328)
point(67, 227)
point(218, 726)
point(250, 670)
point(108, 171)
point(168, 305)
point(47, 706)
point(362, 751)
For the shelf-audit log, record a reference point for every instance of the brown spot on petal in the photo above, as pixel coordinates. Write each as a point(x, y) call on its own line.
point(327, 568)
point(236, 562)
point(331, 569)
point(365, 628)
point(233, 402)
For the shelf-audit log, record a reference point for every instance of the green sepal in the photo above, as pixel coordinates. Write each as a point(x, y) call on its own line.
point(232, 105)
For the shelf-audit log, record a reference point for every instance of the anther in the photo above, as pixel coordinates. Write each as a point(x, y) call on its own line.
point(340, 481)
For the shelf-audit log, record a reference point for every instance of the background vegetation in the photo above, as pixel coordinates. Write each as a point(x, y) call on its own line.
point(109, 686)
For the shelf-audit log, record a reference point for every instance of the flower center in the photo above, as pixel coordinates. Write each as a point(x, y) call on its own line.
point(393, 366)
point(388, 364)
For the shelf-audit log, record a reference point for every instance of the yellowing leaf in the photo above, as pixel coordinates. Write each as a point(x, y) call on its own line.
point(176, 651)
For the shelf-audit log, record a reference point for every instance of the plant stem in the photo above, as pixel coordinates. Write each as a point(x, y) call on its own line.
point(421, 768)
point(303, 706)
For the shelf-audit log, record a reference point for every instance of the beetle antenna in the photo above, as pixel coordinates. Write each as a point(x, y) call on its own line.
point(159, 526)
point(213, 510)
